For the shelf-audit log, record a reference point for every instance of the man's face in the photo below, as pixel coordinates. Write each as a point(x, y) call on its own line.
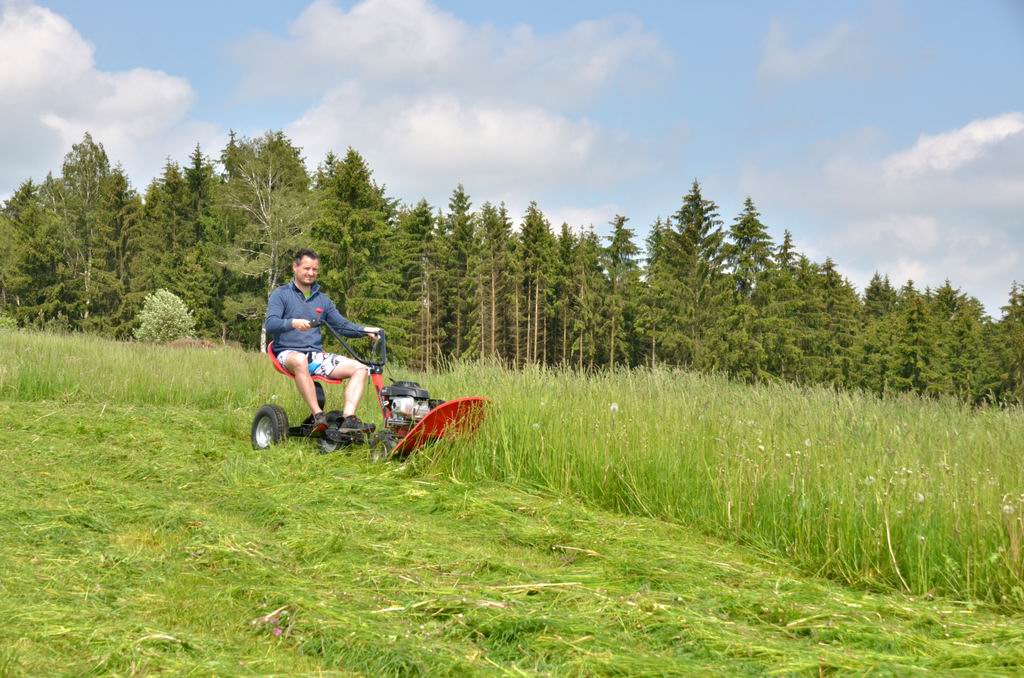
point(306, 270)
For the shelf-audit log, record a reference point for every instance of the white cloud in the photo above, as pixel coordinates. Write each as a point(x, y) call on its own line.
point(419, 47)
point(432, 101)
point(948, 206)
point(54, 93)
point(950, 150)
point(783, 61)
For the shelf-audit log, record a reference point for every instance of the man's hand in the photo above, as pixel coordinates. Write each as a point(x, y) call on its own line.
point(301, 324)
point(372, 332)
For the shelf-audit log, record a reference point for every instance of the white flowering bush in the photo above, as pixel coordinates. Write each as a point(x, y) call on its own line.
point(164, 317)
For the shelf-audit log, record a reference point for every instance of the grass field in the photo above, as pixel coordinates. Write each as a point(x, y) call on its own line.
point(624, 524)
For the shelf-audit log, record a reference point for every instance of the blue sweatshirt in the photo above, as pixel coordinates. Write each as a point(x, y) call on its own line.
point(288, 302)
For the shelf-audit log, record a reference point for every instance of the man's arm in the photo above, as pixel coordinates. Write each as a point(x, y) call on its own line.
point(340, 323)
point(275, 323)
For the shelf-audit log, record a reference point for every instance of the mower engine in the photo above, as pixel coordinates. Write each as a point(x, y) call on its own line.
point(408, 401)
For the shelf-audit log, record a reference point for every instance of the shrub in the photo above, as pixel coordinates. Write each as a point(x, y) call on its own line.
point(164, 317)
point(7, 323)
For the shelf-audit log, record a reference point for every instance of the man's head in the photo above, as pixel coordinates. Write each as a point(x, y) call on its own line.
point(306, 267)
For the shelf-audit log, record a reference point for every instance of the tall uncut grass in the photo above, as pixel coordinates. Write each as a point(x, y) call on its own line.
point(913, 495)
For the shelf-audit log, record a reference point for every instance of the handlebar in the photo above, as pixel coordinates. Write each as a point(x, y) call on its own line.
point(379, 348)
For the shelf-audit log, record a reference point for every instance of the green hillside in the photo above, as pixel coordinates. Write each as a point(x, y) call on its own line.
point(139, 533)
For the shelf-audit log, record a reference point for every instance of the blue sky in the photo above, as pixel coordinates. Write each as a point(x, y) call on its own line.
point(887, 135)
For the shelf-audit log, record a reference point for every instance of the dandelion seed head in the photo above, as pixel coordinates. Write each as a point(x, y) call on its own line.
point(919, 498)
point(870, 480)
point(536, 427)
point(273, 396)
point(807, 442)
point(614, 407)
point(1008, 509)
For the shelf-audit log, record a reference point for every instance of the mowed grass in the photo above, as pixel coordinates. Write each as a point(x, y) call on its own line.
point(145, 539)
point(907, 495)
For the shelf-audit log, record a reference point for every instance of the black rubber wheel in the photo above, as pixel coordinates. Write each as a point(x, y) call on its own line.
point(269, 427)
point(382, 445)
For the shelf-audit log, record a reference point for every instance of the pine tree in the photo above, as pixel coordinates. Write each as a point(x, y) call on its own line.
point(736, 341)
point(879, 297)
point(695, 257)
point(355, 234)
point(623, 272)
point(495, 229)
point(655, 311)
point(915, 346)
point(778, 298)
point(36, 283)
point(462, 248)
point(416, 227)
point(1011, 334)
point(842, 313)
point(562, 287)
point(748, 252)
point(534, 253)
point(589, 283)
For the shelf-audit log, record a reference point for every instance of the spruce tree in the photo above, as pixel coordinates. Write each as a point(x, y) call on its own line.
point(495, 236)
point(589, 283)
point(623, 273)
point(36, 283)
point(461, 245)
point(356, 235)
point(916, 343)
point(695, 257)
point(1011, 334)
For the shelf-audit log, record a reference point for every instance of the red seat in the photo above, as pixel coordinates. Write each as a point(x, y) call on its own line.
point(284, 370)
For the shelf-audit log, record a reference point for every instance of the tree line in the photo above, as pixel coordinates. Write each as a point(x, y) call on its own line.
point(82, 250)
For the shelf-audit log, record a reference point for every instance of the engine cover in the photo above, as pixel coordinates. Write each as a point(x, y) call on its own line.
point(408, 389)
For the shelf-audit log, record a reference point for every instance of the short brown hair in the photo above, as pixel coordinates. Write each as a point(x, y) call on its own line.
point(304, 252)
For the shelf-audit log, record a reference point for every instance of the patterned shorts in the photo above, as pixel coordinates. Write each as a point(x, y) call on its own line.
point(320, 364)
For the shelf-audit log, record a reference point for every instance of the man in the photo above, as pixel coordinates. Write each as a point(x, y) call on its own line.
point(291, 310)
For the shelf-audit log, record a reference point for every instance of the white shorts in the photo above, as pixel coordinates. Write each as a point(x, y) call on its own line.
point(320, 364)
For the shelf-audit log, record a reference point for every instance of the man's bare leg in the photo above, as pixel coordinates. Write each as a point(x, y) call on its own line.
point(298, 366)
point(356, 373)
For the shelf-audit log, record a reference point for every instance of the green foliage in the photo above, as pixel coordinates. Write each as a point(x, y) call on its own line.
point(84, 249)
point(164, 317)
point(7, 323)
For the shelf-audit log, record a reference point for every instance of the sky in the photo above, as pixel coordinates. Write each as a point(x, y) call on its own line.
point(888, 136)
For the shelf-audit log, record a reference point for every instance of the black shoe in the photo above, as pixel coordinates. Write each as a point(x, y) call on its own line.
point(319, 423)
point(352, 423)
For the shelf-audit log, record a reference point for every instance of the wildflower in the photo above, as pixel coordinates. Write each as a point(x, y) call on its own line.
point(870, 480)
point(614, 407)
point(920, 538)
point(273, 396)
point(1007, 509)
point(919, 498)
point(278, 630)
point(536, 427)
point(761, 449)
point(807, 442)
point(788, 455)
point(899, 512)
